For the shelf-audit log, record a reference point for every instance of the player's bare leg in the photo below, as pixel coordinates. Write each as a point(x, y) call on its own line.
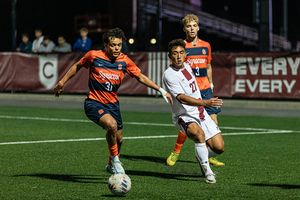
point(197, 135)
point(216, 144)
point(111, 126)
point(119, 140)
point(214, 118)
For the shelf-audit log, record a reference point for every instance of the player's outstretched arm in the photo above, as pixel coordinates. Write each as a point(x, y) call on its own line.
point(59, 88)
point(213, 102)
point(149, 83)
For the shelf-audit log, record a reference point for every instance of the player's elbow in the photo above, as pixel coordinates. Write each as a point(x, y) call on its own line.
point(180, 98)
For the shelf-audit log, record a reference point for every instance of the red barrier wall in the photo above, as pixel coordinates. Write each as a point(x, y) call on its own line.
point(257, 75)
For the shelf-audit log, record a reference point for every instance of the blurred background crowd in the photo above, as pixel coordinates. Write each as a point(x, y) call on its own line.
point(149, 25)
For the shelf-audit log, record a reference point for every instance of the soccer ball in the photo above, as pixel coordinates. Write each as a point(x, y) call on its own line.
point(119, 184)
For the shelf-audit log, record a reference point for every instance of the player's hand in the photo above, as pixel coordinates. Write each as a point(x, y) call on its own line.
point(166, 95)
point(215, 102)
point(59, 88)
point(170, 97)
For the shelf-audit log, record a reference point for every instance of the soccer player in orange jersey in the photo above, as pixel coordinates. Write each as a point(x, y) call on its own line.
point(199, 58)
point(107, 69)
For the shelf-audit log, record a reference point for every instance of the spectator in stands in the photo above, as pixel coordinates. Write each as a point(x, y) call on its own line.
point(39, 39)
point(84, 43)
point(63, 46)
point(26, 45)
point(47, 46)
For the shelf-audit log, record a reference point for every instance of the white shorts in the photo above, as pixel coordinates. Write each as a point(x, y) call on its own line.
point(208, 125)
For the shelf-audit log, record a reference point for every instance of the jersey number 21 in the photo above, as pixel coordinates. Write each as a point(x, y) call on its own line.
point(193, 86)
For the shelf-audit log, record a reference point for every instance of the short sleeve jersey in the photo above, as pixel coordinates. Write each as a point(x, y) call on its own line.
point(198, 56)
point(182, 81)
point(106, 76)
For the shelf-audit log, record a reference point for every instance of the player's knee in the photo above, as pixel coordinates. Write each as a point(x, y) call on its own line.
point(219, 148)
point(112, 126)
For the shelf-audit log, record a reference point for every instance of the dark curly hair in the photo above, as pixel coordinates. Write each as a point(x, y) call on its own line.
point(113, 33)
point(175, 43)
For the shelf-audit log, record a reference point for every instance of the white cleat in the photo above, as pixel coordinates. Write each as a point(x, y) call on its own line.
point(109, 169)
point(117, 166)
point(210, 179)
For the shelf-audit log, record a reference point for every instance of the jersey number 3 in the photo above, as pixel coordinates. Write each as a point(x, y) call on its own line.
point(193, 86)
point(108, 86)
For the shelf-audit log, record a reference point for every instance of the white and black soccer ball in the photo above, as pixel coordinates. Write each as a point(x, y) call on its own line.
point(119, 184)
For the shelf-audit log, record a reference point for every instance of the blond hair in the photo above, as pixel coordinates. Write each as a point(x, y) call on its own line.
point(190, 18)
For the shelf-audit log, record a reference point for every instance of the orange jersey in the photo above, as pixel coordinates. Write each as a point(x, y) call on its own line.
point(198, 56)
point(106, 76)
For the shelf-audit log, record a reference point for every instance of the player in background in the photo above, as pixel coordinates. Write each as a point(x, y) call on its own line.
point(199, 58)
point(188, 113)
point(107, 69)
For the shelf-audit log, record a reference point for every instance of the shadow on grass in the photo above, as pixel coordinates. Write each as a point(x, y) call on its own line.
point(282, 186)
point(113, 196)
point(165, 175)
point(71, 178)
point(150, 158)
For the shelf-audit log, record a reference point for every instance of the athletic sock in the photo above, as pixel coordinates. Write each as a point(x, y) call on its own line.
point(181, 138)
point(113, 151)
point(201, 153)
point(211, 153)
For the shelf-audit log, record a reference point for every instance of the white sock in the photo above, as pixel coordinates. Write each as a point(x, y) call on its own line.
point(201, 153)
point(115, 158)
point(211, 153)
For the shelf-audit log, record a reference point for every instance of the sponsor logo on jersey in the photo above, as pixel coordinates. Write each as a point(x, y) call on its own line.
point(203, 51)
point(119, 67)
point(196, 61)
point(109, 76)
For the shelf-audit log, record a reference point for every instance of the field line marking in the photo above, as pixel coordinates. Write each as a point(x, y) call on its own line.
point(44, 118)
point(78, 120)
point(85, 139)
point(131, 123)
point(263, 132)
point(132, 138)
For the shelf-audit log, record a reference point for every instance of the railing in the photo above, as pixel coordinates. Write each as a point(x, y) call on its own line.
point(176, 10)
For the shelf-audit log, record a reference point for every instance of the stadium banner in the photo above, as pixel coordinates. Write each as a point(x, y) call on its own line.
point(222, 74)
point(259, 75)
point(243, 75)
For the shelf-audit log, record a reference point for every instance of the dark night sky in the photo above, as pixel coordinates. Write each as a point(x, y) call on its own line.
point(56, 17)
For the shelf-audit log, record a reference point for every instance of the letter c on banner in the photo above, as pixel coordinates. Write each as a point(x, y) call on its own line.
point(48, 71)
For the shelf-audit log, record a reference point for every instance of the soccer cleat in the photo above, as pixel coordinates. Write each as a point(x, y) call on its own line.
point(117, 165)
point(210, 179)
point(109, 169)
point(214, 161)
point(172, 158)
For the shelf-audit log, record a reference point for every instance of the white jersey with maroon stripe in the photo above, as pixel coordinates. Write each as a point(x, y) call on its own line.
point(182, 81)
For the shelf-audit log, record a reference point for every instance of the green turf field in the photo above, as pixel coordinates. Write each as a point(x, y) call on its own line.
point(60, 154)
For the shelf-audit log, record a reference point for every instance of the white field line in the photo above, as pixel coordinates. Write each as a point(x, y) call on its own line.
point(85, 139)
point(255, 130)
